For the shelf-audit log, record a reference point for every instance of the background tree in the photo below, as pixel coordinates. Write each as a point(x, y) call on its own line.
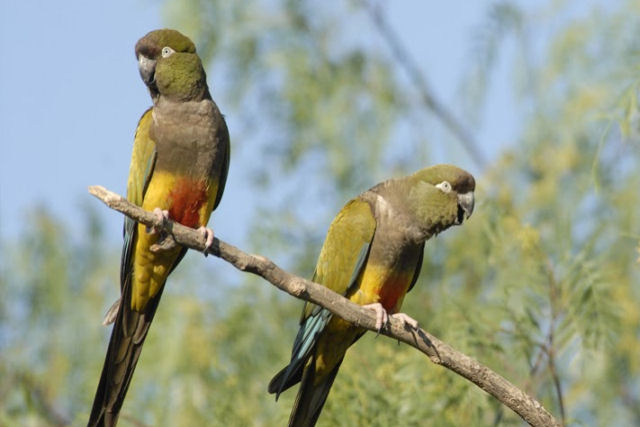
point(541, 285)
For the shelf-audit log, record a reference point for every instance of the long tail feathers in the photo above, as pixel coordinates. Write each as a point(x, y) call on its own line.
point(284, 379)
point(127, 337)
point(311, 397)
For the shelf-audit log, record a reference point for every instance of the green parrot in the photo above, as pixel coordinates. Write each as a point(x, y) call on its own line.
point(372, 255)
point(178, 170)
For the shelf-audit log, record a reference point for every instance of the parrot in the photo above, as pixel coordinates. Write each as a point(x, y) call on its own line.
point(179, 168)
point(372, 255)
point(147, 51)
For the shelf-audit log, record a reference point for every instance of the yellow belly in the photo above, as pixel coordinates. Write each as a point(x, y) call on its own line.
point(186, 205)
point(377, 284)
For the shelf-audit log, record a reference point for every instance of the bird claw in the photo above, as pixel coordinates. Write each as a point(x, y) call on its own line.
point(406, 320)
point(382, 318)
point(207, 233)
point(165, 241)
point(162, 216)
point(164, 244)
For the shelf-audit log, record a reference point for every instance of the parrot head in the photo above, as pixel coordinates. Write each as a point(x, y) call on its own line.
point(441, 196)
point(179, 76)
point(149, 50)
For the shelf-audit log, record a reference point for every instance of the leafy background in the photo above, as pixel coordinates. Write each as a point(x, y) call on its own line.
point(541, 284)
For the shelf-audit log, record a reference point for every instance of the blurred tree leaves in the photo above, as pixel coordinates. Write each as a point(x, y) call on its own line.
point(541, 284)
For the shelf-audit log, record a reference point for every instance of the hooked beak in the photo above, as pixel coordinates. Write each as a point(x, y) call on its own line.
point(465, 206)
point(147, 68)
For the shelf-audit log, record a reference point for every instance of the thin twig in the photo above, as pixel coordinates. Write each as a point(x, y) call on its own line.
point(556, 381)
point(553, 301)
point(631, 402)
point(427, 96)
point(438, 352)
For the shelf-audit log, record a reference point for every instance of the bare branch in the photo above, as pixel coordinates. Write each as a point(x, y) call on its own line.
point(438, 352)
point(429, 99)
point(550, 348)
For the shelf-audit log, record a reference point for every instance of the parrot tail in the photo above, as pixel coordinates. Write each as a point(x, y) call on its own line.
point(127, 337)
point(286, 378)
point(311, 396)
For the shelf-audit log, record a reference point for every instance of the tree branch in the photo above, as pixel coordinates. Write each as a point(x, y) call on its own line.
point(438, 352)
point(429, 99)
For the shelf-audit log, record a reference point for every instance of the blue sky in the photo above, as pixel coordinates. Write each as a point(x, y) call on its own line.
point(69, 101)
point(70, 98)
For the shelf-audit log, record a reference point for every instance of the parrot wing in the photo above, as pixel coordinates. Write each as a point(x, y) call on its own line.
point(418, 269)
point(224, 171)
point(143, 161)
point(125, 346)
point(339, 265)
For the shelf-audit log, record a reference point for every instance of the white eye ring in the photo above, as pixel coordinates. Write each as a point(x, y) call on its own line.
point(444, 186)
point(167, 51)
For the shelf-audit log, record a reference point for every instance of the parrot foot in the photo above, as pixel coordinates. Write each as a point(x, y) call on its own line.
point(406, 320)
point(207, 233)
point(162, 216)
point(382, 318)
point(164, 244)
point(111, 314)
point(165, 241)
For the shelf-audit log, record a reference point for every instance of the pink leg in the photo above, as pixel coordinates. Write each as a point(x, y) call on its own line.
point(162, 216)
point(406, 320)
point(166, 241)
point(207, 233)
point(382, 318)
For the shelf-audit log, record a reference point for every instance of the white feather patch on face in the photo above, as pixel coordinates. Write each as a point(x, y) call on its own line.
point(444, 186)
point(167, 51)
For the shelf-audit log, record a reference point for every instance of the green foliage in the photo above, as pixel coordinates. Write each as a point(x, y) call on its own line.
point(541, 284)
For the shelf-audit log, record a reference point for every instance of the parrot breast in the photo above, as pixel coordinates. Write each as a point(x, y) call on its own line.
point(393, 291)
point(388, 275)
point(186, 199)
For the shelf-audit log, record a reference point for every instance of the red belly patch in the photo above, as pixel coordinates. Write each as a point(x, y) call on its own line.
point(392, 291)
point(186, 199)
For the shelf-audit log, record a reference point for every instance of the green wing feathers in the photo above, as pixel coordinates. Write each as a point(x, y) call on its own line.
point(341, 259)
point(341, 255)
point(142, 163)
point(142, 160)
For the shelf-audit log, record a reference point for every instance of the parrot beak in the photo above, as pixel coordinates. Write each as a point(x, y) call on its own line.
point(147, 68)
point(465, 206)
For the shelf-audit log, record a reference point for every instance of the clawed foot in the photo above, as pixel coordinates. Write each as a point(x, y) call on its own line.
point(162, 216)
point(382, 317)
point(165, 241)
point(406, 320)
point(207, 233)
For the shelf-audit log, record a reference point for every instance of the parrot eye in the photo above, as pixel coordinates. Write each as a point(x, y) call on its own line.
point(444, 186)
point(167, 51)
